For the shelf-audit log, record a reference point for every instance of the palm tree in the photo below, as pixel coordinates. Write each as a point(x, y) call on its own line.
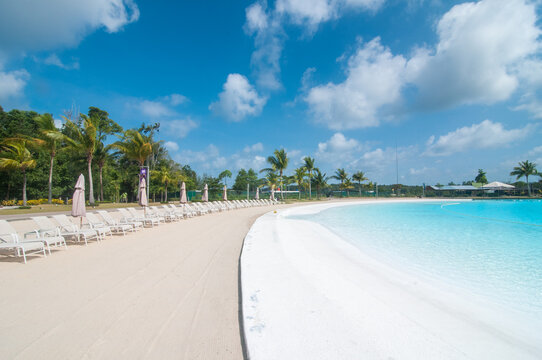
point(359, 177)
point(135, 146)
point(525, 168)
point(224, 174)
point(481, 177)
point(346, 185)
point(279, 163)
point(83, 139)
point(17, 157)
point(49, 139)
point(319, 180)
point(164, 176)
point(340, 175)
point(271, 179)
point(309, 167)
point(299, 178)
point(101, 156)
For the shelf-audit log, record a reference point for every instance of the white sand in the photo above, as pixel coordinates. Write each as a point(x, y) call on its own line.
point(170, 292)
point(307, 294)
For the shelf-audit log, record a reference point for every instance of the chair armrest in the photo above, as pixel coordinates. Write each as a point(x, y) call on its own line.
point(34, 233)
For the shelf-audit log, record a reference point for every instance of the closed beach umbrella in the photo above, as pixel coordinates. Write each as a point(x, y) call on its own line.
point(257, 196)
point(143, 193)
point(183, 193)
point(78, 200)
point(272, 197)
point(225, 194)
point(205, 196)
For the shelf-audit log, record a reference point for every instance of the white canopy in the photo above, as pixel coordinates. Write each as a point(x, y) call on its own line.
point(496, 185)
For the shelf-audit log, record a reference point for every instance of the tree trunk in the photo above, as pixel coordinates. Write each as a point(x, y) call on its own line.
point(50, 199)
point(359, 189)
point(165, 200)
point(101, 184)
point(24, 188)
point(528, 187)
point(310, 187)
point(281, 187)
point(90, 185)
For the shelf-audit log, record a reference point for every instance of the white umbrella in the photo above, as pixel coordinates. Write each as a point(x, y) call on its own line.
point(183, 193)
point(205, 196)
point(143, 194)
point(78, 200)
point(257, 196)
point(225, 194)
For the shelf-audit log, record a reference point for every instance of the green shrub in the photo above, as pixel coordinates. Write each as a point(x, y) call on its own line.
point(25, 207)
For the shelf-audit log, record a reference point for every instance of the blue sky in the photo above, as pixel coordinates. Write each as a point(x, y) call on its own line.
point(454, 85)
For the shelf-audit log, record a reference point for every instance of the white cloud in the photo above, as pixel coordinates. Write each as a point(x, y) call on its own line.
point(172, 146)
point(339, 151)
point(208, 160)
point(238, 99)
point(58, 123)
point(155, 109)
point(267, 27)
point(176, 99)
point(481, 47)
point(374, 78)
point(486, 51)
point(535, 151)
point(484, 135)
point(12, 83)
point(179, 128)
point(54, 60)
point(34, 25)
point(310, 13)
point(258, 147)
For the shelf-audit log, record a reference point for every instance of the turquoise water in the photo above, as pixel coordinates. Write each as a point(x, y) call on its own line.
point(491, 248)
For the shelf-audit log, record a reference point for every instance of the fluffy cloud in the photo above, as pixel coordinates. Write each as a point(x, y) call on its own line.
point(238, 99)
point(484, 135)
point(266, 25)
point(179, 128)
point(339, 150)
point(258, 147)
point(161, 107)
point(54, 60)
point(172, 146)
point(154, 109)
point(313, 12)
point(34, 25)
point(486, 51)
point(481, 47)
point(374, 78)
point(12, 83)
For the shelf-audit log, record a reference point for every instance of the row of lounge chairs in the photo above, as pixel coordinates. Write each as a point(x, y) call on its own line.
point(49, 235)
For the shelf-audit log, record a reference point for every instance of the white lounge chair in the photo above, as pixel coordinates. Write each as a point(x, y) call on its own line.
point(117, 226)
point(98, 225)
point(146, 219)
point(9, 241)
point(49, 239)
point(67, 228)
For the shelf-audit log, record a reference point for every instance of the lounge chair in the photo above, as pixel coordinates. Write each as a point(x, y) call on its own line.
point(188, 211)
point(48, 239)
point(127, 218)
point(98, 225)
point(117, 226)
point(68, 229)
point(175, 212)
point(9, 241)
point(146, 219)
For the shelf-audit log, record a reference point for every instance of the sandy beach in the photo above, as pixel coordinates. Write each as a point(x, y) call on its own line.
point(169, 292)
point(308, 294)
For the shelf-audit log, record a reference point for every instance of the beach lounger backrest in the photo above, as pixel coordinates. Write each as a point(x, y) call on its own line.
point(7, 233)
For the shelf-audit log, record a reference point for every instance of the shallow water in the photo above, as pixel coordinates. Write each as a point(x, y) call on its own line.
point(491, 248)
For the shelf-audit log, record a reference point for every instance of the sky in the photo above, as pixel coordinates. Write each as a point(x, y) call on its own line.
point(444, 87)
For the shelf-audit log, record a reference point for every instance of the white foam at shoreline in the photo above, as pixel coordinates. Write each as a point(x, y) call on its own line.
point(307, 294)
